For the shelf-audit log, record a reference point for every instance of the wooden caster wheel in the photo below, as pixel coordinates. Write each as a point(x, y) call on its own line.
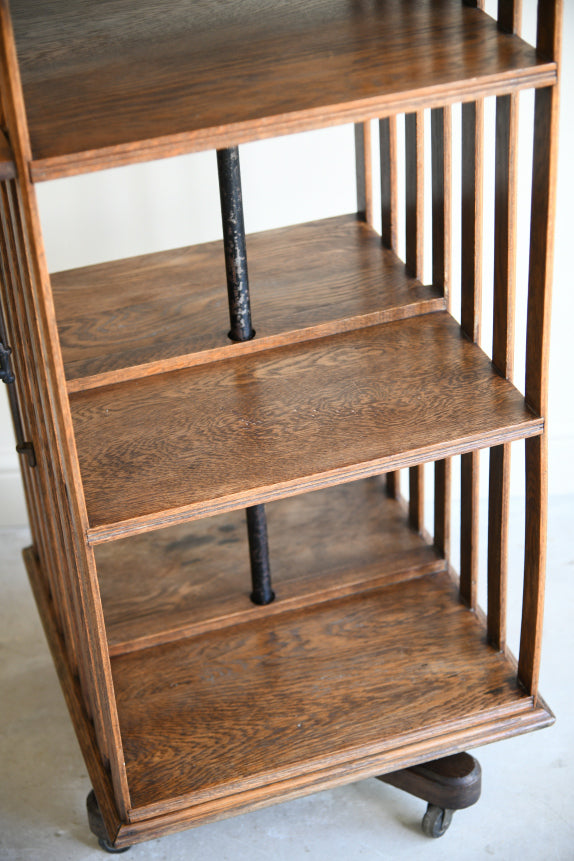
point(436, 820)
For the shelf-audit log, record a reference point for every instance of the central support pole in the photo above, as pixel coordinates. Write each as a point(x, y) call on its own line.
point(234, 244)
point(242, 330)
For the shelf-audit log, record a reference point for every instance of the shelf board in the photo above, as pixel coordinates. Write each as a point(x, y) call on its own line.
point(208, 439)
point(105, 87)
point(367, 682)
point(172, 583)
point(168, 310)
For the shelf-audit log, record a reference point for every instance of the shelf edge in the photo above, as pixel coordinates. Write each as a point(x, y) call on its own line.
point(257, 345)
point(259, 128)
point(195, 511)
point(148, 821)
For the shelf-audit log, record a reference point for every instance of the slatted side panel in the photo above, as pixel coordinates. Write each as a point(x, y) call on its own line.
point(53, 432)
point(47, 538)
point(441, 166)
point(538, 343)
point(389, 218)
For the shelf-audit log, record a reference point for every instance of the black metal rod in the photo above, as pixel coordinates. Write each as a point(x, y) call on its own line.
point(7, 377)
point(242, 330)
point(259, 553)
point(234, 244)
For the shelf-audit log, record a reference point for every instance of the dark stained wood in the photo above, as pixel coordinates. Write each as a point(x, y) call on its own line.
point(506, 182)
point(498, 511)
point(442, 495)
point(103, 88)
point(414, 194)
point(134, 317)
point(364, 172)
point(389, 218)
point(212, 438)
point(510, 15)
point(345, 685)
point(441, 154)
point(471, 303)
point(505, 234)
point(414, 260)
point(471, 217)
point(452, 783)
point(534, 564)
point(165, 585)
point(417, 497)
point(469, 506)
point(441, 166)
point(389, 182)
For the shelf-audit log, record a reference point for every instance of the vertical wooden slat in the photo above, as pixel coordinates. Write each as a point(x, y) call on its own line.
point(389, 221)
point(414, 260)
point(497, 565)
point(52, 387)
point(414, 193)
point(471, 298)
point(537, 344)
point(364, 172)
point(509, 15)
point(441, 155)
point(389, 183)
point(505, 202)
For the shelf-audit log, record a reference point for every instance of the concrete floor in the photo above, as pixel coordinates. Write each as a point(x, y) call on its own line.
point(526, 810)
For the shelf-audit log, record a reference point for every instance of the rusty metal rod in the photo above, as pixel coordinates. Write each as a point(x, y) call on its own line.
point(234, 244)
point(242, 330)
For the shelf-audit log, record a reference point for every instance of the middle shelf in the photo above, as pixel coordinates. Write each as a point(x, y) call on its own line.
point(191, 443)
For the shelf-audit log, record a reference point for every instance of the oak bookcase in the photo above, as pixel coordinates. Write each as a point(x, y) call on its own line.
point(145, 430)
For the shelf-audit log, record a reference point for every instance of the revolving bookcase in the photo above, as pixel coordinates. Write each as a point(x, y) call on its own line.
point(212, 666)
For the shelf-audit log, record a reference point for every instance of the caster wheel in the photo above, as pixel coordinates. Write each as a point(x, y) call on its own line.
point(97, 826)
point(436, 821)
point(107, 847)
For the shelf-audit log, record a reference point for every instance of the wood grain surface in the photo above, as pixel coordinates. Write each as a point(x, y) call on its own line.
point(136, 316)
point(282, 696)
point(171, 583)
point(104, 86)
point(217, 437)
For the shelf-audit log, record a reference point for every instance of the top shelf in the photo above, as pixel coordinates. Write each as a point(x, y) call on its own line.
point(106, 84)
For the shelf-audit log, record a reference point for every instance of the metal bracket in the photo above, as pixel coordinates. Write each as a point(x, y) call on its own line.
point(7, 376)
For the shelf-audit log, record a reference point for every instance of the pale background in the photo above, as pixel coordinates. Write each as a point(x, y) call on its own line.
point(171, 203)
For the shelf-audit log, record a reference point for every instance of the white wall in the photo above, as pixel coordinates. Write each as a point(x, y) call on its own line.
point(174, 202)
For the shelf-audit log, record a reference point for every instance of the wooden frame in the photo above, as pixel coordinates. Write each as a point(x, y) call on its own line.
point(352, 348)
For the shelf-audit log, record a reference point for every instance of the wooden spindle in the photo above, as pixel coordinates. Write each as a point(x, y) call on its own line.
point(389, 221)
point(441, 155)
point(471, 299)
point(505, 202)
point(364, 172)
point(414, 218)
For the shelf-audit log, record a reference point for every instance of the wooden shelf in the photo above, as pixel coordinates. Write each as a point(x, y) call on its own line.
point(216, 437)
point(104, 87)
point(187, 579)
point(356, 685)
point(129, 318)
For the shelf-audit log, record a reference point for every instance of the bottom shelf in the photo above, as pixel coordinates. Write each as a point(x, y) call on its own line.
point(361, 685)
